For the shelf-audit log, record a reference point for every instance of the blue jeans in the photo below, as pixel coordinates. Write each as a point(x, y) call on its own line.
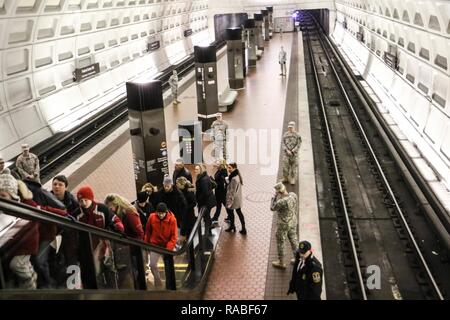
point(42, 266)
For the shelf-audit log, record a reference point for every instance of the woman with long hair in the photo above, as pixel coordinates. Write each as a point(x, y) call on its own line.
point(234, 198)
point(127, 213)
point(221, 190)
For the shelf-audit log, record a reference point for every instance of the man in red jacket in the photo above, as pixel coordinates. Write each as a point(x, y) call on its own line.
point(161, 230)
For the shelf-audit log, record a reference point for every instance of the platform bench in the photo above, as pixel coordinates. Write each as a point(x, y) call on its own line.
point(259, 53)
point(227, 99)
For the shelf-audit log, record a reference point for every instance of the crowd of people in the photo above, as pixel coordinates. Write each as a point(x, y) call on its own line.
point(163, 217)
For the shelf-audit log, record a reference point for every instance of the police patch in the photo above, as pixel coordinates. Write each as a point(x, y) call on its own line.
point(316, 277)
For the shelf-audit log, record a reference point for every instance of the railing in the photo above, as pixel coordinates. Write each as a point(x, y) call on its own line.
point(92, 259)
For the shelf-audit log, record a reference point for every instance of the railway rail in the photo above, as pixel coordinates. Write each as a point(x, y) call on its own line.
point(379, 224)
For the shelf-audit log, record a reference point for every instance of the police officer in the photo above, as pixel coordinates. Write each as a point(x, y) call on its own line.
point(307, 274)
point(220, 128)
point(285, 204)
point(173, 82)
point(28, 165)
point(282, 61)
point(291, 146)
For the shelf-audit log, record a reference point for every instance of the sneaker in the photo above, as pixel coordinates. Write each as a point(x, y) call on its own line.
point(214, 224)
point(278, 264)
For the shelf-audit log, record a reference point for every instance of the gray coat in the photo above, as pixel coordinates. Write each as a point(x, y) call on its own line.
point(234, 193)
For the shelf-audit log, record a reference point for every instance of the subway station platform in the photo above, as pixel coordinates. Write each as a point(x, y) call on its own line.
point(243, 264)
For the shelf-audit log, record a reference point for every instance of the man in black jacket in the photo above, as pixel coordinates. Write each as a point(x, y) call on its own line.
point(307, 274)
point(67, 256)
point(181, 171)
point(173, 198)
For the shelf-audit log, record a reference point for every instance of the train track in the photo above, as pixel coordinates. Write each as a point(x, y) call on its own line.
point(388, 249)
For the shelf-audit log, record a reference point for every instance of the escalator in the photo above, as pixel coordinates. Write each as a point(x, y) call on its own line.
point(94, 263)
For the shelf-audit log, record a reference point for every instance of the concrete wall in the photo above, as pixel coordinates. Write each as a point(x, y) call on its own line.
point(419, 89)
point(41, 42)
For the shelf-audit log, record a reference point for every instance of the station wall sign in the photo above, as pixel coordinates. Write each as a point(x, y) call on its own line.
point(152, 46)
point(187, 32)
point(391, 60)
point(86, 72)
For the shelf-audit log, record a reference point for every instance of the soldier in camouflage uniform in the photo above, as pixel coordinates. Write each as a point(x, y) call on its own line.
point(173, 82)
point(28, 165)
point(285, 204)
point(219, 128)
point(291, 145)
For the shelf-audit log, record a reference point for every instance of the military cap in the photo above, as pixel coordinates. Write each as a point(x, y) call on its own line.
point(291, 124)
point(304, 246)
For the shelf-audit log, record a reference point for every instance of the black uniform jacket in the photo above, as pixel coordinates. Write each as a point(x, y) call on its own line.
point(307, 280)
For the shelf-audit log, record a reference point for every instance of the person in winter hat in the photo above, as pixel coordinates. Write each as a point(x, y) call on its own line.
point(161, 230)
point(144, 207)
point(173, 198)
point(98, 215)
point(25, 245)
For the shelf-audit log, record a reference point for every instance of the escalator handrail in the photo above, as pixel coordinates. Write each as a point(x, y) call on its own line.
point(27, 212)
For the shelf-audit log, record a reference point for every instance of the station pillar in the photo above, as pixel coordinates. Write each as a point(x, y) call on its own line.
point(266, 23)
point(206, 84)
point(235, 61)
point(148, 133)
point(259, 20)
point(249, 26)
point(270, 10)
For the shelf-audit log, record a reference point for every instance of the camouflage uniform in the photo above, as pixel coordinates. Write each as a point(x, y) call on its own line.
point(286, 207)
point(291, 142)
point(220, 128)
point(28, 166)
point(173, 81)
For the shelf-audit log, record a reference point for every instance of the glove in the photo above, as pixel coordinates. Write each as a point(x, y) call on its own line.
point(71, 218)
point(291, 288)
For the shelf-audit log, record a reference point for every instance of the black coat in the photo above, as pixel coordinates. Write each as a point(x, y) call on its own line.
point(144, 212)
point(189, 218)
point(71, 204)
point(307, 281)
point(175, 201)
point(221, 189)
point(204, 191)
point(182, 173)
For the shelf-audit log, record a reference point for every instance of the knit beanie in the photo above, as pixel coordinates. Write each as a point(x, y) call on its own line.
point(167, 180)
point(9, 184)
point(85, 193)
point(161, 207)
point(142, 196)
